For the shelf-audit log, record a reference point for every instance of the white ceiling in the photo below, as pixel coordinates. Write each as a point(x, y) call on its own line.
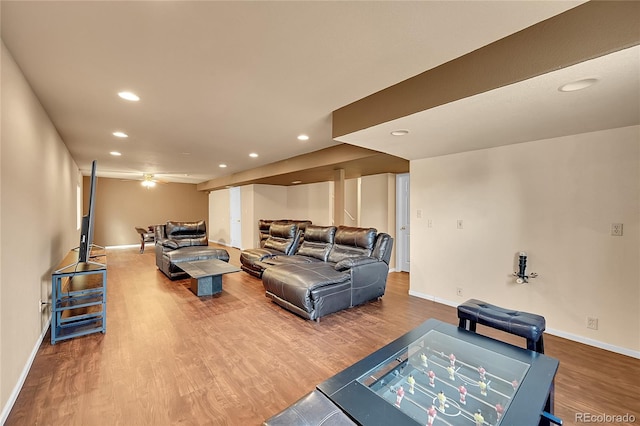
point(219, 80)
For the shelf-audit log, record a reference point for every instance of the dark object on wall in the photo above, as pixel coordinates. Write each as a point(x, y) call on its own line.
point(86, 233)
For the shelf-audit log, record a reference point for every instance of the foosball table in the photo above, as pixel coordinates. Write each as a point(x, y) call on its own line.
point(439, 374)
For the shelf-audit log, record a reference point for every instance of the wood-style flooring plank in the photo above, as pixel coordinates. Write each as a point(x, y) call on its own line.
point(171, 358)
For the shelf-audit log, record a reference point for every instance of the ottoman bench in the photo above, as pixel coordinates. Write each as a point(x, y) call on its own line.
point(523, 324)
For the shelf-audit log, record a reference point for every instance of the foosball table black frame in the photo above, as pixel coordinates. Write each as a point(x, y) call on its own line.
point(533, 397)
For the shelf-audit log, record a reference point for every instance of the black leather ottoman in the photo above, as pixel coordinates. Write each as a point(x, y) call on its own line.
point(313, 409)
point(523, 324)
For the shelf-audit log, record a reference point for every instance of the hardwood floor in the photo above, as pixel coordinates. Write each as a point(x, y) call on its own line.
point(169, 357)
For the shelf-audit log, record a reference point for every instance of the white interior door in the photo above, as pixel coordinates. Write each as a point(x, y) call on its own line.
point(235, 228)
point(403, 231)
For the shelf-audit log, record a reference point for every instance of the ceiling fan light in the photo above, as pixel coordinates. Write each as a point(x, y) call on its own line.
point(129, 96)
point(148, 183)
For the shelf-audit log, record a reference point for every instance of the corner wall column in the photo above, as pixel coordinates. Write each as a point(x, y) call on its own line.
point(338, 194)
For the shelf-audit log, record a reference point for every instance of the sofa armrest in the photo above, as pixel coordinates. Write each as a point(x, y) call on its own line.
point(351, 262)
point(368, 281)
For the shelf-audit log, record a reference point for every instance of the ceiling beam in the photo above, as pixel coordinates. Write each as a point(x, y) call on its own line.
point(317, 166)
point(588, 31)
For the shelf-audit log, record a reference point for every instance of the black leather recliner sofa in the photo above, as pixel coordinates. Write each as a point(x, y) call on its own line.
point(178, 242)
point(335, 268)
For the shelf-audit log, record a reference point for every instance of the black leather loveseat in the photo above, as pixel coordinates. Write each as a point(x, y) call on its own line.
point(334, 268)
point(178, 242)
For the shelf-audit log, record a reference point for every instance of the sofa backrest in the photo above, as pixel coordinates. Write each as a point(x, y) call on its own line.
point(282, 237)
point(265, 224)
point(185, 234)
point(352, 242)
point(263, 230)
point(317, 241)
point(382, 247)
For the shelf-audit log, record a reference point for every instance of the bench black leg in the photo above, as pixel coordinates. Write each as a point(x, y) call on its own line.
point(467, 324)
point(538, 346)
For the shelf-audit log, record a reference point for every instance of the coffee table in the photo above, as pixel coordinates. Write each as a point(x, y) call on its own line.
point(206, 275)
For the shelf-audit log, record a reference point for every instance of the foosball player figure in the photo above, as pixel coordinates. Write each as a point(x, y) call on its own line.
point(482, 372)
point(423, 359)
point(499, 410)
point(442, 399)
point(432, 378)
point(514, 384)
point(483, 388)
point(431, 414)
point(463, 395)
point(412, 382)
point(477, 417)
point(452, 360)
point(451, 372)
point(399, 396)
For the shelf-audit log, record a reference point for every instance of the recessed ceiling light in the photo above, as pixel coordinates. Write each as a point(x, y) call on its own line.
point(253, 155)
point(120, 135)
point(303, 138)
point(578, 85)
point(115, 153)
point(295, 182)
point(399, 132)
point(129, 96)
point(222, 166)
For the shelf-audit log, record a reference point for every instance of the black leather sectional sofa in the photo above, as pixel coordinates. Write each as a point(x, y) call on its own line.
point(333, 268)
point(178, 242)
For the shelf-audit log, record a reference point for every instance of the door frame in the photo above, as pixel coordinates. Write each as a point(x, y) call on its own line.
point(402, 212)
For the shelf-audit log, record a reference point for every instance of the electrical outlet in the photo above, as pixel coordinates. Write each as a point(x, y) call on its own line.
point(459, 291)
point(616, 229)
point(419, 214)
point(460, 224)
point(592, 323)
point(429, 223)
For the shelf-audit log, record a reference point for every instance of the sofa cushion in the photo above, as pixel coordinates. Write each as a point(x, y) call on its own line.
point(282, 237)
point(174, 229)
point(295, 282)
point(352, 242)
point(317, 241)
point(350, 262)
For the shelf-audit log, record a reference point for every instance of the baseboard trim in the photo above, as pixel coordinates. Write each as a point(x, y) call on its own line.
point(6, 410)
point(124, 246)
point(554, 332)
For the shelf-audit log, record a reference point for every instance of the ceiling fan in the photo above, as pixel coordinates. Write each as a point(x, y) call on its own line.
point(149, 181)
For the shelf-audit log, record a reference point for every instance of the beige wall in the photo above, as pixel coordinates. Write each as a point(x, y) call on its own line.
point(312, 201)
point(219, 224)
point(554, 199)
point(38, 222)
point(122, 205)
point(378, 202)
